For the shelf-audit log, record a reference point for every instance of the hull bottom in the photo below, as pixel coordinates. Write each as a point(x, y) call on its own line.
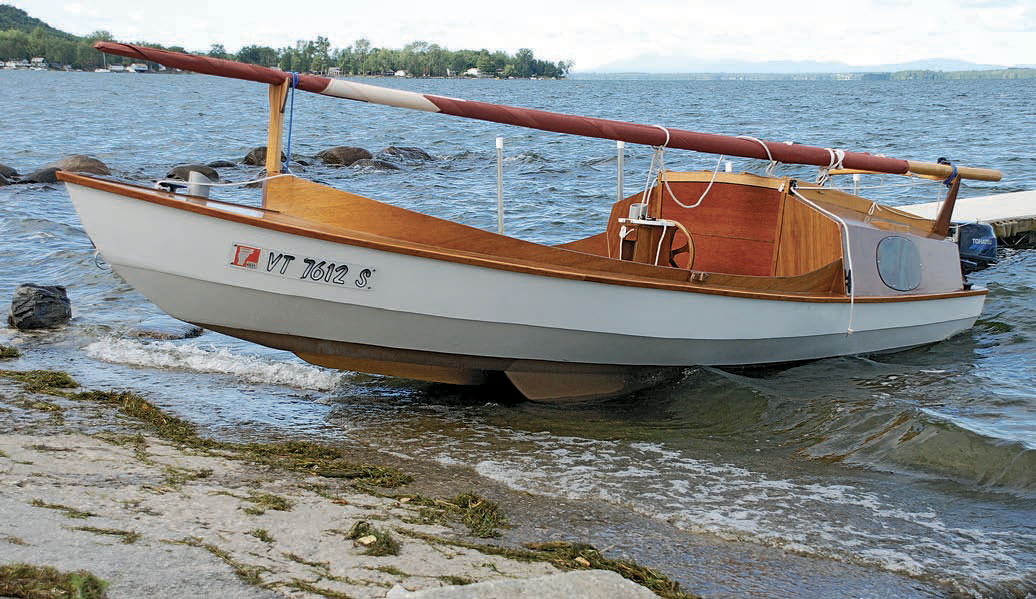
point(536, 379)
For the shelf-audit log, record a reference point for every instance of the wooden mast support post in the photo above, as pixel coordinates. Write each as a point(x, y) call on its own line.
point(942, 221)
point(278, 97)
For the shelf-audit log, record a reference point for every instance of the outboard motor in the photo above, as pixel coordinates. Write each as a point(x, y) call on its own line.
point(976, 243)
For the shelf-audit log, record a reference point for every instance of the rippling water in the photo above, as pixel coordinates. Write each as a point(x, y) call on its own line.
point(918, 466)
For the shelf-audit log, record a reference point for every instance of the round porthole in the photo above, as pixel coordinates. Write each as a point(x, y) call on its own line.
point(899, 263)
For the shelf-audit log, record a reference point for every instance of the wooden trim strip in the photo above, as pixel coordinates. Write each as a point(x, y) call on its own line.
point(286, 224)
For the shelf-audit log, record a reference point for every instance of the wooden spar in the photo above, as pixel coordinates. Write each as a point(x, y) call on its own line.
point(933, 171)
point(652, 135)
point(942, 221)
point(278, 95)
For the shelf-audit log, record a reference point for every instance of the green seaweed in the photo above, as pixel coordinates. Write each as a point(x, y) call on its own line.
point(392, 570)
point(570, 556)
point(69, 512)
point(298, 559)
point(266, 501)
point(44, 582)
point(262, 535)
point(42, 381)
point(164, 425)
point(480, 515)
point(456, 580)
point(321, 460)
point(383, 543)
point(128, 536)
point(249, 574)
point(310, 588)
point(8, 353)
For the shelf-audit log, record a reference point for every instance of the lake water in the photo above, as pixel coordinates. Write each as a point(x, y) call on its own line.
point(911, 474)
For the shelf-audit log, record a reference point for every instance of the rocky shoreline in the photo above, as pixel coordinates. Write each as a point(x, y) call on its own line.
point(108, 483)
point(392, 158)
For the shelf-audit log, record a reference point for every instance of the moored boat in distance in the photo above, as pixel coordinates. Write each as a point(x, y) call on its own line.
point(702, 268)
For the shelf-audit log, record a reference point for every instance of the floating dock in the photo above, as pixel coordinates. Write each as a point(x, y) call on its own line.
point(1012, 215)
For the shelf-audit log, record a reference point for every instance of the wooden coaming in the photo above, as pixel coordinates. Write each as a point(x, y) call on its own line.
point(809, 239)
point(595, 269)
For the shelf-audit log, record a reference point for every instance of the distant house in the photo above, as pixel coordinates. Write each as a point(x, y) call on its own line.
point(117, 68)
point(473, 72)
point(400, 73)
point(39, 63)
point(334, 72)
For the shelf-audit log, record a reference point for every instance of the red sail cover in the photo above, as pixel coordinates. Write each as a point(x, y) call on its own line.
point(525, 117)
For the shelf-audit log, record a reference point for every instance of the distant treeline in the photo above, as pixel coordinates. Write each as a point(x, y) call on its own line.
point(1012, 73)
point(23, 37)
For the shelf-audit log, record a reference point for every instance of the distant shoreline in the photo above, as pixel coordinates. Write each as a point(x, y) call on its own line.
point(909, 75)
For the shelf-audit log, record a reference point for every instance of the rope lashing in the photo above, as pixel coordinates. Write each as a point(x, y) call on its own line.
point(772, 166)
point(666, 144)
point(291, 113)
point(948, 181)
point(837, 156)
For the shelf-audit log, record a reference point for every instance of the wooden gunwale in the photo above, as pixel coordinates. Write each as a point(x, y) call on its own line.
point(276, 221)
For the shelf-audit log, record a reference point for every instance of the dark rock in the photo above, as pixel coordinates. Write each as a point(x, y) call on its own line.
point(165, 328)
point(226, 163)
point(39, 307)
point(302, 162)
point(183, 172)
point(343, 155)
point(81, 163)
point(43, 175)
point(407, 153)
point(8, 172)
point(4, 181)
point(371, 163)
point(257, 156)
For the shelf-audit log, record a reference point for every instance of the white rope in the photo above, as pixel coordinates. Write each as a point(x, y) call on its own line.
point(666, 144)
point(658, 251)
point(837, 156)
point(848, 255)
point(182, 183)
point(665, 182)
point(650, 175)
point(770, 168)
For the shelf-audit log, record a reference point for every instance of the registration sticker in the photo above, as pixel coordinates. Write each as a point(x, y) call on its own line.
point(292, 265)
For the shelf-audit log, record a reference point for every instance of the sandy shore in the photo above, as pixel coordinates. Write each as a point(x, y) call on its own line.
point(85, 486)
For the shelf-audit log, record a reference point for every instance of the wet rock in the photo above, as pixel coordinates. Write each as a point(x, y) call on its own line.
point(39, 307)
point(257, 156)
point(227, 163)
point(165, 328)
point(76, 163)
point(407, 153)
point(8, 172)
point(46, 174)
point(4, 181)
point(81, 163)
point(343, 155)
point(375, 164)
point(183, 172)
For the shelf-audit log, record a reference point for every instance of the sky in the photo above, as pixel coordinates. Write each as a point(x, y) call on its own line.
point(592, 33)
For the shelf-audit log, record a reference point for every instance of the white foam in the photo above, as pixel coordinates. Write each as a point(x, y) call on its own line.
point(199, 358)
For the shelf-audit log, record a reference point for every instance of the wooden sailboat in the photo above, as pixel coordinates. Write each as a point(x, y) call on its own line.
point(704, 268)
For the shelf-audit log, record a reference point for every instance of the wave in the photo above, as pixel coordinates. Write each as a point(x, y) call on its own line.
point(195, 357)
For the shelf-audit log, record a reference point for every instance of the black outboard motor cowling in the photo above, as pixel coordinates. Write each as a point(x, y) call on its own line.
point(976, 243)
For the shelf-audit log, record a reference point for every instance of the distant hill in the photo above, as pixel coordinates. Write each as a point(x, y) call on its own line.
point(16, 18)
point(656, 64)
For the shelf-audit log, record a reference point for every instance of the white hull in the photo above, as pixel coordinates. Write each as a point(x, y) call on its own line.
point(181, 261)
